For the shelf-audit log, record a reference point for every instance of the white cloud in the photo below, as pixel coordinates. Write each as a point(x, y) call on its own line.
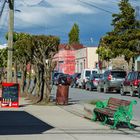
point(38, 15)
point(27, 2)
point(3, 46)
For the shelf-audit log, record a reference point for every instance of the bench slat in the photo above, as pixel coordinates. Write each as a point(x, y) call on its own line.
point(106, 111)
point(114, 103)
point(118, 109)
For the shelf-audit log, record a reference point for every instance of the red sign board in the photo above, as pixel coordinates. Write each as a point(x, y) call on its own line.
point(10, 95)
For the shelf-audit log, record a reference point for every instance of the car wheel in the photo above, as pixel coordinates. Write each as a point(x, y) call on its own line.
point(90, 88)
point(74, 85)
point(79, 86)
point(139, 91)
point(105, 89)
point(118, 91)
point(132, 94)
point(86, 87)
point(83, 86)
point(122, 91)
point(99, 89)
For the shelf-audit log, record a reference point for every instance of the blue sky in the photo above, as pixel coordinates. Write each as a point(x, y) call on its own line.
point(56, 17)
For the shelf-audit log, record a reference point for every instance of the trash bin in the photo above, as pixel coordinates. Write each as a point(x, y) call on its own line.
point(62, 94)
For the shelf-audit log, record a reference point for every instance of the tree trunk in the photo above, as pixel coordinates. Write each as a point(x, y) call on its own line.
point(41, 84)
point(23, 78)
point(28, 82)
point(3, 75)
point(47, 87)
point(15, 72)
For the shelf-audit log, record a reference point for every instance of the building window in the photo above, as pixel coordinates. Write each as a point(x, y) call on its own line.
point(84, 64)
point(96, 64)
point(77, 70)
point(81, 67)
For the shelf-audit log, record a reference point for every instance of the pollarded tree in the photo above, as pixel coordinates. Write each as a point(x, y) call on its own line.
point(74, 35)
point(3, 62)
point(45, 47)
point(3, 57)
point(23, 50)
point(21, 54)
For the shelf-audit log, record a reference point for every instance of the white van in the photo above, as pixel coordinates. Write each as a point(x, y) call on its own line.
point(85, 74)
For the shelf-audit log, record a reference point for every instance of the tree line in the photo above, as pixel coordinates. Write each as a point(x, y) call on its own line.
point(35, 52)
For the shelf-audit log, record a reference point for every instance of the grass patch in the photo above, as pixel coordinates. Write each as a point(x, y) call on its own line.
point(93, 102)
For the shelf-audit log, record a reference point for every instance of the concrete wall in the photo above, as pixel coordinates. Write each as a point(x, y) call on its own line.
point(137, 63)
point(92, 57)
point(80, 59)
point(117, 63)
point(86, 58)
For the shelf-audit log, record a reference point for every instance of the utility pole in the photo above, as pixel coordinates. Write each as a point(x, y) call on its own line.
point(10, 40)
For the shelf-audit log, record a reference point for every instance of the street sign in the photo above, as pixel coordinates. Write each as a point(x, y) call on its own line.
point(10, 95)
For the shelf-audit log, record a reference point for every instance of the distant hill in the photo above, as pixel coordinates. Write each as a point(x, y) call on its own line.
point(42, 3)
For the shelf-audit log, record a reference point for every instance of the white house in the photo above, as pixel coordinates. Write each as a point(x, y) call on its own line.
point(86, 58)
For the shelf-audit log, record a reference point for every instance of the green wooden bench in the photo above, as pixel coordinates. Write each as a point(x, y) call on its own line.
point(114, 109)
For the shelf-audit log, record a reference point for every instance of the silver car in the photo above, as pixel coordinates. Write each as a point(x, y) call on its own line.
point(111, 80)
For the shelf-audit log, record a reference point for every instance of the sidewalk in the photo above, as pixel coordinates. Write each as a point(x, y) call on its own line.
point(33, 122)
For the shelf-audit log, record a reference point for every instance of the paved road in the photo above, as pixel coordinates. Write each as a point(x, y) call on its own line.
point(80, 95)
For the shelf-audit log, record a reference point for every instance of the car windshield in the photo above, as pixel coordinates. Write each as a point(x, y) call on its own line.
point(79, 75)
point(94, 72)
point(56, 74)
point(118, 74)
point(96, 76)
point(87, 74)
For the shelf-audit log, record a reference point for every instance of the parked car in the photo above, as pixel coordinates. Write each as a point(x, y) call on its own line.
point(93, 81)
point(111, 80)
point(55, 77)
point(75, 77)
point(131, 83)
point(78, 81)
point(85, 76)
point(68, 78)
point(64, 79)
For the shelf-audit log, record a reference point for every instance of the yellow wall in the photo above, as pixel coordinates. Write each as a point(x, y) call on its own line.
point(86, 58)
point(92, 57)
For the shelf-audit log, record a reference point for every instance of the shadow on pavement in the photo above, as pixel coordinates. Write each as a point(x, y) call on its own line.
point(24, 105)
point(20, 123)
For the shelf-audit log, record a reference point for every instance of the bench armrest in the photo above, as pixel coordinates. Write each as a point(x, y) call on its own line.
point(125, 113)
point(101, 104)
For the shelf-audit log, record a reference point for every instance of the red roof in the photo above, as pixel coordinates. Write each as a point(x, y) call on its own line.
point(71, 47)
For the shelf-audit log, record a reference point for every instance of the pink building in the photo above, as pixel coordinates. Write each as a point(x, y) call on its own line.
point(66, 58)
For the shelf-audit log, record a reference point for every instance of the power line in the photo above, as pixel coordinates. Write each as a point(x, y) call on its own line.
point(99, 8)
point(2, 8)
point(4, 20)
